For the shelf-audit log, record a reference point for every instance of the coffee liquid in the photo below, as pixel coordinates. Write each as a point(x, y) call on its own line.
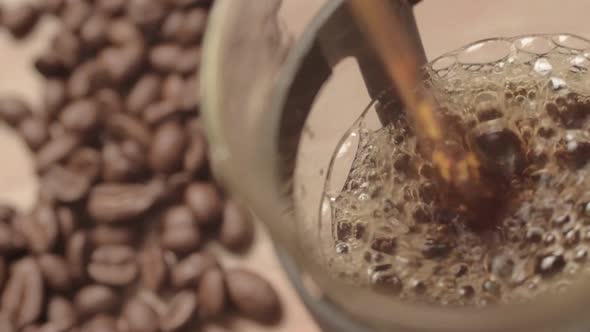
point(526, 116)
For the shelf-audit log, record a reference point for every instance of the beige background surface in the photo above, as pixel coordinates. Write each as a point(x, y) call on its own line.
point(444, 24)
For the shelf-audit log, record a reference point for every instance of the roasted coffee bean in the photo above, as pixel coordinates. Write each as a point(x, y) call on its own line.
point(163, 57)
point(145, 92)
point(237, 230)
point(77, 252)
point(168, 147)
point(101, 323)
point(20, 18)
point(172, 25)
point(212, 294)
point(124, 32)
point(172, 87)
point(195, 157)
point(95, 299)
point(13, 110)
point(40, 228)
point(53, 6)
point(65, 185)
point(66, 220)
point(154, 270)
point(11, 239)
point(111, 203)
point(61, 312)
point(109, 102)
point(140, 317)
point(110, 7)
point(55, 272)
point(146, 12)
point(116, 167)
point(122, 64)
point(85, 79)
point(160, 111)
point(180, 230)
point(85, 162)
point(189, 61)
point(113, 265)
point(549, 265)
point(194, 26)
point(56, 150)
point(253, 296)
point(189, 271)
point(191, 97)
point(107, 235)
point(81, 115)
point(34, 130)
point(23, 295)
point(75, 13)
point(205, 201)
point(94, 31)
point(50, 64)
point(67, 49)
point(128, 127)
point(180, 311)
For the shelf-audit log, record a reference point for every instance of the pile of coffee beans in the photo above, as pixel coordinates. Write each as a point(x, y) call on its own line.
point(127, 202)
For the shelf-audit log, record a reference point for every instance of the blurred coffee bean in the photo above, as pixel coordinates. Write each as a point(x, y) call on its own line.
point(66, 221)
point(253, 296)
point(191, 97)
point(111, 203)
point(54, 96)
point(110, 7)
point(67, 48)
point(180, 311)
point(65, 185)
point(7, 213)
point(160, 111)
point(193, 27)
point(113, 265)
point(107, 235)
point(116, 167)
point(40, 228)
point(61, 312)
point(189, 271)
point(212, 294)
point(56, 150)
point(13, 110)
point(122, 64)
point(140, 317)
point(50, 64)
point(143, 93)
point(55, 272)
point(195, 158)
point(123, 32)
point(81, 115)
point(77, 252)
point(95, 299)
point(206, 202)
point(109, 102)
point(146, 12)
point(23, 295)
point(168, 147)
point(85, 162)
point(11, 239)
point(85, 79)
point(53, 6)
point(172, 87)
point(128, 127)
point(34, 130)
point(94, 31)
point(237, 230)
point(180, 231)
point(189, 61)
point(163, 57)
point(172, 25)
point(75, 13)
point(20, 18)
point(154, 270)
point(101, 323)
